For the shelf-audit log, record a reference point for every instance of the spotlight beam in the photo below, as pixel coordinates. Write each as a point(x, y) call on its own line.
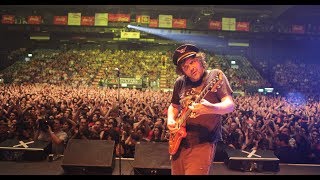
point(202, 40)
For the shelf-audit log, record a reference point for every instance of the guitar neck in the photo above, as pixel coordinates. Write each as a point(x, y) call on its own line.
point(202, 94)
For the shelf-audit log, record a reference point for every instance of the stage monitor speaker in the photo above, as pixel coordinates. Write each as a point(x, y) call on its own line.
point(89, 157)
point(23, 150)
point(255, 160)
point(152, 158)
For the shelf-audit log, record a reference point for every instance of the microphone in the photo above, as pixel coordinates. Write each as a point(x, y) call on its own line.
point(118, 99)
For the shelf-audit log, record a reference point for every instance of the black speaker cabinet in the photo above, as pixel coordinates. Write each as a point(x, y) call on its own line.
point(20, 150)
point(89, 157)
point(152, 158)
point(255, 160)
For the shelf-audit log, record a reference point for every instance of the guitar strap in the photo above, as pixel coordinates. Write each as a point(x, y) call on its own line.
point(213, 132)
point(206, 79)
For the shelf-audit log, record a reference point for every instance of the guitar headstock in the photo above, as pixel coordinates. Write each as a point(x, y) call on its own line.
point(215, 83)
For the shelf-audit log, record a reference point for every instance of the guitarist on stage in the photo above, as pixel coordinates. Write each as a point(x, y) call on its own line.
point(199, 98)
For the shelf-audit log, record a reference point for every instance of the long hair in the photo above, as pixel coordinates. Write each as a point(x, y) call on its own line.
point(202, 58)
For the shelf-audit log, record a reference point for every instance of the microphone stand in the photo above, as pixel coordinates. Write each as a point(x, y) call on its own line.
point(118, 75)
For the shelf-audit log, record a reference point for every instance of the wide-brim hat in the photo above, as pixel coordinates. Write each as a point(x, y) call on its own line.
point(184, 51)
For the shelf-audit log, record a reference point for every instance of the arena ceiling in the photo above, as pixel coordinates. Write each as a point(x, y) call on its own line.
point(152, 8)
point(284, 12)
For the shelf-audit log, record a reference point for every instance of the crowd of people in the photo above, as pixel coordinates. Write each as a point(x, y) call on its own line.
point(81, 66)
point(258, 121)
point(50, 98)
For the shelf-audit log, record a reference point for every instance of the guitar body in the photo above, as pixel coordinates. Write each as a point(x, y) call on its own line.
point(175, 140)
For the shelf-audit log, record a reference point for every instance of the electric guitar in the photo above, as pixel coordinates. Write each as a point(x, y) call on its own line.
point(176, 137)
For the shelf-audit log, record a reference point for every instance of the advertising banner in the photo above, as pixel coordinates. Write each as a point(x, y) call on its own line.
point(119, 17)
point(153, 23)
point(7, 19)
point(298, 29)
point(130, 35)
point(34, 19)
point(228, 24)
point(165, 21)
point(179, 23)
point(143, 19)
point(242, 26)
point(101, 19)
point(60, 20)
point(215, 25)
point(87, 20)
point(74, 19)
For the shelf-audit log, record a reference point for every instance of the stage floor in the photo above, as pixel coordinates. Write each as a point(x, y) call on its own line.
point(218, 168)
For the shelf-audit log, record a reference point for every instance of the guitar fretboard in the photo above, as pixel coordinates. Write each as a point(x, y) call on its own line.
point(214, 83)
